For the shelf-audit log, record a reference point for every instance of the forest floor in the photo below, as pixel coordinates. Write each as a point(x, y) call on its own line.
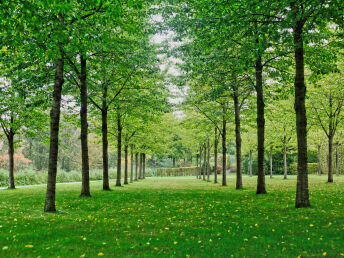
point(175, 217)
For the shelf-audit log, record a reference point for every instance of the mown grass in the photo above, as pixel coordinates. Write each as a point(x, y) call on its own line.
point(175, 217)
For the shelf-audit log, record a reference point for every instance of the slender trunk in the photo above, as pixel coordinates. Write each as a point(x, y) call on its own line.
point(131, 163)
point(215, 156)
point(119, 149)
point(237, 139)
point(270, 161)
point(302, 193)
point(337, 160)
point(136, 164)
point(184, 163)
point(49, 205)
point(10, 138)
point(330, 155)
point(200, 163)
point(285, 160)
point(140, 170)
point(224, 147)
point(126, 164)
point(204, 162)
point(143, 165)
point(85, 185)
point(319, 161)
point(197, 166)
point(250, 162)
point(208, 161)
point(174, 162)
point(106, 183)
point(260, 126)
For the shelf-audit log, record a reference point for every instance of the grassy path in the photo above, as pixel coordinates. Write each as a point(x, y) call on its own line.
point(175, 217)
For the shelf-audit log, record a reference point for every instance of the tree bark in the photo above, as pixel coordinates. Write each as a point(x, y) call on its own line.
point(143, 165)
point(126, 164)
point(337, 159)
point(237, 139)
point(302, 193)
point(200, 163)
point(260, 126)
point(119, 149)
point(85, 185)
point(204, 162)
point(197, 166)
point(224, 147)
point(208, 161)
point(140, 170)
point(250, 162)
point(270, 161)
point(174, 162)
point(285, 172)
point(49, 205)
point(10, 138)
point(105, 144)
point(131, 163)
point(330, 157)
point(319, 161)
point(136, 164)
point(216, 142)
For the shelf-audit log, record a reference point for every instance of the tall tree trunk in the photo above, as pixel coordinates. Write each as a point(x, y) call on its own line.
point(302, 193)
point(216, 142)
point(174, 162)
point(197, 166)
point(49, 205)
point(260, 126)
point(200, 163)
point(143, 165)
point(285, 160)
point(140, 170)
point(136, 165)
point(106, 183)
point(237, 139)
point(250, 162)
point(131, 163)
point(204, 162)
point(330, 157)
point(337, 168)
point(319, 161)
point(270, 161)
point(224, 147)
point(208, 161)
point(119, 149)
point(10, 138)
point(126, 164)
point(85, 186)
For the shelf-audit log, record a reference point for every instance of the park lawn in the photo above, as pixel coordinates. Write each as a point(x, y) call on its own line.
point(175, 217)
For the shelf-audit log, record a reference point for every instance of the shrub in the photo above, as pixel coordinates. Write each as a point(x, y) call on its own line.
point(187, 171)
point(312, 168)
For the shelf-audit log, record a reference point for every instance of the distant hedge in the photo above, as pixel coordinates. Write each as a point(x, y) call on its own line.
point(187, 171)
point(312, 168)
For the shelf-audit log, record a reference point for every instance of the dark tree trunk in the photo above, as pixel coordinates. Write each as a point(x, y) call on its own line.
point(319, 161)
point(270, 161)
point(337, 160)
point(285, 160)
point(126, 164)
point(237, 139)
point(106, 184)
point(330, 157)
point(204, 162)
point(119, 149)
point(136, 164)
point(224, 147)
point(131, 163)
point(143, 165)
point(260, 127)
point(174, 162)
point(216, 142)
point(85, 172)
point(200, 163)
point(49, 205)
point(10, 138)
point(302, 193)
point(208, 161)
point(197, 166)
point(141, 159)
point(250, 163)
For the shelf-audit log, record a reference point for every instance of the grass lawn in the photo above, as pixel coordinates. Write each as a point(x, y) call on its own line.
point(175, 217)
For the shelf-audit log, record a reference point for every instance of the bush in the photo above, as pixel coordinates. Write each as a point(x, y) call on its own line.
point(187, 171)
point(312, 168)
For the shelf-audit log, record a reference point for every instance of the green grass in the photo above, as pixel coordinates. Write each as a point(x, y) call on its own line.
point(175, 217)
